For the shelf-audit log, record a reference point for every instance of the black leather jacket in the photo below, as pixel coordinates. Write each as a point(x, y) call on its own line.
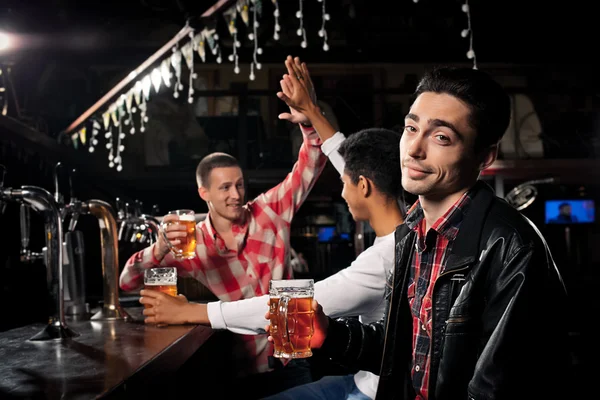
point(498, 318)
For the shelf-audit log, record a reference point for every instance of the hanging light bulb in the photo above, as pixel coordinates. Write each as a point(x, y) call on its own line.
point(468, 32)
point(301, 31)
point(276, 15)
point(323, 32)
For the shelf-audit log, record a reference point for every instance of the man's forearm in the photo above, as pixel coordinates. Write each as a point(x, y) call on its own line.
point(320, 123)
point(196, 314)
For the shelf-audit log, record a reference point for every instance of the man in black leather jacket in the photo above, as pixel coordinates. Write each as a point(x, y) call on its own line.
point(476, 307)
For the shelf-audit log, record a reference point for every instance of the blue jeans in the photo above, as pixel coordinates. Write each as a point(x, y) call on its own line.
point(327, 388)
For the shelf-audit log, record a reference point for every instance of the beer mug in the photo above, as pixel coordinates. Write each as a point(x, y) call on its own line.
point(187, 247)
point(291, 316)
point(162, 279)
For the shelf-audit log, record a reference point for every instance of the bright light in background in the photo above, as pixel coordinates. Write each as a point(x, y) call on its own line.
point(6, 41)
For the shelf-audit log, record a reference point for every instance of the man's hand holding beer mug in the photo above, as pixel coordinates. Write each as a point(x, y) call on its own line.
point(297, 322)
point(177, 235)
point(162, 304)
point(159, 296)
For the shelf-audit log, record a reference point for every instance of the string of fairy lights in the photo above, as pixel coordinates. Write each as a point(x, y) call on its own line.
point(128, 113)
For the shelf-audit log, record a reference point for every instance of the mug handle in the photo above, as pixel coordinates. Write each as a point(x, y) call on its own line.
point(176, 252)
point(283, 321)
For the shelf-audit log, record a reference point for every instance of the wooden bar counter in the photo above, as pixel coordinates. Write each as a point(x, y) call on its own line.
point(109, 359)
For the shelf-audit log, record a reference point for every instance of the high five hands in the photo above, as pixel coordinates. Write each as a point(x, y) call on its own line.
point(297, 91)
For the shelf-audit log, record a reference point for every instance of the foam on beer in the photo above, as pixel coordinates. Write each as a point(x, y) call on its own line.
point(168, 277)
point(187, 217)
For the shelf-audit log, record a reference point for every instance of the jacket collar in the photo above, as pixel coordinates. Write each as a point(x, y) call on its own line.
point(467, 246)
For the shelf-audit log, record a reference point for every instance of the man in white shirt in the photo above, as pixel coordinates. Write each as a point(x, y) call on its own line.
point(369, 164)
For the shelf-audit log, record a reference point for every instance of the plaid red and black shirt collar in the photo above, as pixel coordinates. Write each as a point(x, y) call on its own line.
point(240, 230)
point(447, 225)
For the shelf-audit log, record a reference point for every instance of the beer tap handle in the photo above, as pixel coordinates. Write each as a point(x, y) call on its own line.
point(128, 223)
point(73, 221)
point(57, 194)
point(73, 202)
point(122, 225)
point(127, 213)
point(72, 181)
point(24, 219)
point(143, 237)
point(134, 235)
point(120, 208)
point(120, 217)
point(26, 254)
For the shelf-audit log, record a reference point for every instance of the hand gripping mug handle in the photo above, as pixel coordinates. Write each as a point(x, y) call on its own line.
point(283, 322)
point(175, 251)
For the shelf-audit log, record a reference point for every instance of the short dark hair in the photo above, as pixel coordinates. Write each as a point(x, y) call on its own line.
point(210, 162)
point(488, 101)
point(375, 154)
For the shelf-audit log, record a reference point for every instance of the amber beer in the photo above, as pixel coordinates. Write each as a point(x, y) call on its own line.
point(161, 279)
point(167, 289)
point(291, 317)
point(187, 246)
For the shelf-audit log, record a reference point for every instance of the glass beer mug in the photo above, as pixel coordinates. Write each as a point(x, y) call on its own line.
point(162, 279)
point(187, 246)
point(291, 316)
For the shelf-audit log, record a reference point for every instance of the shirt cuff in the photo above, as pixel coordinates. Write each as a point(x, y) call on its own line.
point(333, 143)
point(310, 135)
point(215, 316)
point(152, 256)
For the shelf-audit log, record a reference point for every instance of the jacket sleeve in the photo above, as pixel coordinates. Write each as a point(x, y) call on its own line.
point(356, 345)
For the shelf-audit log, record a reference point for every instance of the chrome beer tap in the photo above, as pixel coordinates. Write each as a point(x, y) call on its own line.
point(136, 222)
point(43, 202)
point(136, 227)
point(111, 308)
point(150, 226)
point(121, 217)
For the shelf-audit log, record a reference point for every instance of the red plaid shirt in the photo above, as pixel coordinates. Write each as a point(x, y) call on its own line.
point(262, 253)
point(428, 262)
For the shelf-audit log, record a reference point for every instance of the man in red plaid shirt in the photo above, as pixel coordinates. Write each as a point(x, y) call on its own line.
point(240, 247)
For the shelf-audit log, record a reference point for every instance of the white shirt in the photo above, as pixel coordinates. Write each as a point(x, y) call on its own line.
point(356, 290)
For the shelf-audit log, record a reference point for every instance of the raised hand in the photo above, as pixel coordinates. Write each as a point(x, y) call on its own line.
point(297, 91)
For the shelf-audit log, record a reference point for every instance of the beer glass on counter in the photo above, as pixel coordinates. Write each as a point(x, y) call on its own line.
point(291, 316)
point(162, 279)
point(187, 246)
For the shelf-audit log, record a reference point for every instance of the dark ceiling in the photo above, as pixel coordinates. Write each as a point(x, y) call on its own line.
point(359, 30)
point(73, 51)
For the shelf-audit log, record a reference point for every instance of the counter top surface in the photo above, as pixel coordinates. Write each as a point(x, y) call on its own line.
point(100, 359)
